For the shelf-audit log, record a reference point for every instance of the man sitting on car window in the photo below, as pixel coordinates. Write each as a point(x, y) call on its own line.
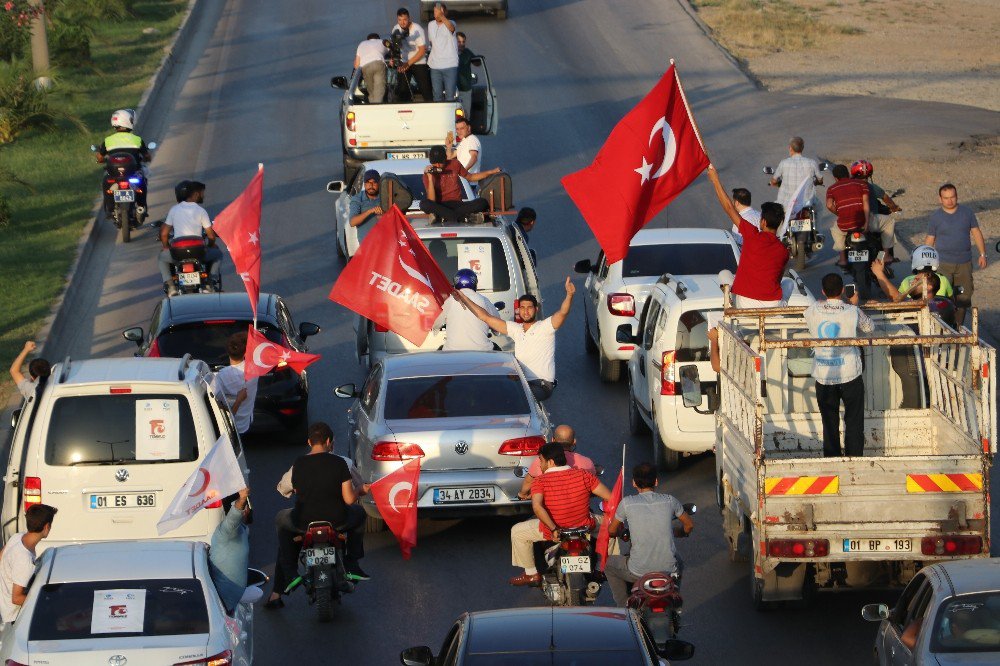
point(444, 189)
point(366, 204)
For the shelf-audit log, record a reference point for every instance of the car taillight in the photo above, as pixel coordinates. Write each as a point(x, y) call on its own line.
point(517, 312)
point(798, 547)
point(221, 659)
point(387, 451)
point(668, 383)
point(522, 446)
point(154, 349)
point(951, 545)
point(622, 305)
point(351, 121)
point(575, 547)
point(120, 390)
point(11, 662)
point(32, 491)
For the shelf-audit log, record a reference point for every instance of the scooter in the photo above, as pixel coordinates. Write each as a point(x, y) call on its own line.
point(125, 181)
point(863, 247)
point(321, 567)
point(188, 269)
point(801, 237)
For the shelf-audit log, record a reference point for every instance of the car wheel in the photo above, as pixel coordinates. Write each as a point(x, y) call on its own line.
point(373, 524)
point(610, 371)
point(636, 425)
point(588, 342)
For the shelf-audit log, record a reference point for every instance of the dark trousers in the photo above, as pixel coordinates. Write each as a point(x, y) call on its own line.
point(453, 211)
point(287, 562)
point(829, 397)
point(422, 75)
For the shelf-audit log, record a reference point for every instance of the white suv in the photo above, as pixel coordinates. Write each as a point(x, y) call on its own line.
point(672, 347)
point(617, 292)
point(109, 442)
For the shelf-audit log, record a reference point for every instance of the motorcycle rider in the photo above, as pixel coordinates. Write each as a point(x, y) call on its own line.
point(188, 218)
point(924, 261)
point(125, 140)
point(848, 200)
point(792, 171)
point(565, 435)
point(882, 207)
point(465, 331)
point(648, 515)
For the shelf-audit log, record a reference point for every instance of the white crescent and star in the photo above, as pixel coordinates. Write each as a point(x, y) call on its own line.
point(669, 152)
point(257, 352)
point(395, 490)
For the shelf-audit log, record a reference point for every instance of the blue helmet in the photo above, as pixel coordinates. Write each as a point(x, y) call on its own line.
point(466, 278)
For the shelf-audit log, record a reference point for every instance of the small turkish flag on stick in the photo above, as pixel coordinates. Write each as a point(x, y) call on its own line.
point(610, 507)
point(238, 225)
point(396, 497)
point(262, 355)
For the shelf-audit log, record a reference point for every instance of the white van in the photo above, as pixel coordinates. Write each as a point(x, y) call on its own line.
point(109, 442)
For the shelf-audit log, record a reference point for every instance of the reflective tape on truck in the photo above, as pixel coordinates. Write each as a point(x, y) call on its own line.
point(944, 483)
point(802, 485)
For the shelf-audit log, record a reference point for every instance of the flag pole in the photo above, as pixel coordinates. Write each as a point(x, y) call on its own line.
point(260, 167)
point(687, 107)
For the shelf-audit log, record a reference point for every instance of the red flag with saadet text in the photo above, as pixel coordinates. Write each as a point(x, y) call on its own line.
point(238, 225)
point(610, 508)
point(651, 156)
point(395, 496)
point(393, 280)
point(262, 355)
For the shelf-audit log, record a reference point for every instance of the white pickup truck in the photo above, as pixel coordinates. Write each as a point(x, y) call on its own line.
point(407, 130)
point(920, 492)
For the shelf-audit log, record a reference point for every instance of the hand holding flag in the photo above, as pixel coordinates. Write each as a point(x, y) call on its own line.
point(610, 508)
point(218, 476)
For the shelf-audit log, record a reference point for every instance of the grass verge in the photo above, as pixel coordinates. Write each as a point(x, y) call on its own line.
point(36, 250)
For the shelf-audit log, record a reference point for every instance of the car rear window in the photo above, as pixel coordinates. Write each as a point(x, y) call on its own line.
point(560, 658)
point(678, 259)
point(119, 608)
point(120, 428)
point(692, 336)
point(968, 623)
point(455, 396)
point(206, 340)
point(484, 255)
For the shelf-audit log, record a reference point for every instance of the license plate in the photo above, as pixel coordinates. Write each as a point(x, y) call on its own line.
point(484, 494)
point(884, 545)
point(124, 196)
point(405, 156)
point(798, 225)
point(579, 564)
point(315, 556)
point(189, 279)
point(857, 256)
point(123, 501)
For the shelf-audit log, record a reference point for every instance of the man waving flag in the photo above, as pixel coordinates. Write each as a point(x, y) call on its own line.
point(652, 154)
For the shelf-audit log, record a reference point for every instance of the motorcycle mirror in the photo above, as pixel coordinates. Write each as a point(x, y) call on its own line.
point(582, 266)
point(901, 191)
point(307, 329)
point(768, 170)
point(823, 166)
point(151, 145)
point(875, 612)
point(690, 508)
point(520, 472)
point(499, 305)
point(339, 82)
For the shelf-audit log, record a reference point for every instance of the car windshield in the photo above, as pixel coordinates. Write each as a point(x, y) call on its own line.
point(968, 623)
point(119, 608)
point(455, 396)
point(120, 428)
point(484, 255)
point(678, 259)
point(206, 340)
point(692, 336)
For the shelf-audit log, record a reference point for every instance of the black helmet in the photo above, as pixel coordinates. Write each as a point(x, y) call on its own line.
point(182, 190)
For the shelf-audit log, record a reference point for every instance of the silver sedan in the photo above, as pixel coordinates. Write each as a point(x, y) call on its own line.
point(469, 416)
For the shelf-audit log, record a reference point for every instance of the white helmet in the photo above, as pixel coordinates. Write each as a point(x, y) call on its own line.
point(925, 256)
point(123, 118)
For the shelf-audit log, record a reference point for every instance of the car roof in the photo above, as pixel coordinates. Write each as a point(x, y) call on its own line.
point(125, 370)
point(448, 363)
point(231, 305)
point(121, 560)
point(681, 235)
point(971, 576)
point(537, 629)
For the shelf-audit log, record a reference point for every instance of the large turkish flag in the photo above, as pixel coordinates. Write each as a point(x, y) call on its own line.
point(393, 280)
point(262, 355)
point(238, 225)
point(395, 496)
point(652, 154)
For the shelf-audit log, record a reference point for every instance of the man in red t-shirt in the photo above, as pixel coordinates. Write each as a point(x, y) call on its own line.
point(444, 189)
point(848, 200)
point(762, 260)
point(566, 436)
point(560, 498)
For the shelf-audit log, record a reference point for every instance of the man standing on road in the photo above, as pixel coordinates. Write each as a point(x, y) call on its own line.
point(414, 54)
point(230, 382)
point(465, 82)
point(443, 60)
point(370, 58)
point(649, 516)
point(38, 371)
point(534, 341)
point(560, 497)
point(366, 204)
point(848, 200)
point(950, 231)
point(468, 151)
point(565, 436)
point(17, 562)
point(464, 330)
point(792, 171)
point(188, 218)
point(444, 190)
point(837, 370)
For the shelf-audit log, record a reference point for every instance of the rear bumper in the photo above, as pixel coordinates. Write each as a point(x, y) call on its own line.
point(685, 441)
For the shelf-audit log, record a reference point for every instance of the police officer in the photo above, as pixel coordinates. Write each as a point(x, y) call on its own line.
point(124, 140)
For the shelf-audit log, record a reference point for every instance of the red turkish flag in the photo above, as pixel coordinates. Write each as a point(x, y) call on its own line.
point(239, 227)
point(610, 507)
point(398, 513)
point(393, 280)
point(652, 154)
point(262, 355)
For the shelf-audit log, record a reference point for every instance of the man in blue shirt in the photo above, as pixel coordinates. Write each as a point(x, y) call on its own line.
point(230, 552)
point(365, 205)
point(951, 232)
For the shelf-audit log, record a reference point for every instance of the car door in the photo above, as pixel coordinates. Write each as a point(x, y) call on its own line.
point(361, 417)
point(592, 286)
point(12, 487)
point(649, 367)
point(911, 605)
point(489, 122)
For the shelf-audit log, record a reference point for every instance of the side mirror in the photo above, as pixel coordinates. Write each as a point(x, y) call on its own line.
point(690, 508)
point(676, 650)
point(520, 472)
point(15, 416)
point(477, 61)
point(824, 166)
point(339, 82)
point(346, 391)
point(691, 386)
point(417, 656)
point(875, 612)
point(583, 266)
point(623, 334)
point(256, 577)
point(133, 335)
point(336, 186)
point(307, 328)
point(768, 170)
point(151, 145)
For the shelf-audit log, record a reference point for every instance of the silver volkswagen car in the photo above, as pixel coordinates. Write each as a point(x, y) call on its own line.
point(468, 415)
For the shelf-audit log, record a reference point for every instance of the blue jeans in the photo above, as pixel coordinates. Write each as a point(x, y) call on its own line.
point(445, 83)
point(213, 257)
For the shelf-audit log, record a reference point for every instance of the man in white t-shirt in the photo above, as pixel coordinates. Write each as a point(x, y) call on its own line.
point(370, 58)
point(414, 54)
point(741, 202)
point(837, 370)
point(17, 562)
point(443, 60)
point(464, 330)
point(468, 150)
point(230, 382)
point(534, 341)
point(188, 218)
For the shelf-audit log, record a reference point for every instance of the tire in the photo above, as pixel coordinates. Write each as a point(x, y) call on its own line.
point(588, 342)
point(610, 371)
point(575, 587)
point(373, 524)
point(663, 457)
point(324, 604)
point(800, 254)
point(862, 281)
point(126, 224)
point(636, 425)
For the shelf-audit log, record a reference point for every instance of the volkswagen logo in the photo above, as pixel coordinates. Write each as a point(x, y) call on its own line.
point(121, 475)
point(462, 447)
point(118, 659)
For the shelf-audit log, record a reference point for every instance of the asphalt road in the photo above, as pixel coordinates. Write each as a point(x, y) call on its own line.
point(256, 89)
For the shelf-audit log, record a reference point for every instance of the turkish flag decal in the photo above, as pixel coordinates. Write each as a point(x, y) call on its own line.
point(262, 355)
point(396, 497)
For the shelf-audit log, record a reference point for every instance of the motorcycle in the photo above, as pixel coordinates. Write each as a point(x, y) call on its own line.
point(801, 237)
point(863, 247)
point(188, 269)
point(321, 567)
point(125, 181)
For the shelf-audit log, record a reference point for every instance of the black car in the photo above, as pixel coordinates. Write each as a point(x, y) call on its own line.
point(551, 636)
point(200, 325)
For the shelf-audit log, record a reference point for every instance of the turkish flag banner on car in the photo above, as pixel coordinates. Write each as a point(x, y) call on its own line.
point(262, 355)
point(652, 154)
point(218, 476)
point(395, 496)
point(238, 225)
point(610, 507)
point(393, 280)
